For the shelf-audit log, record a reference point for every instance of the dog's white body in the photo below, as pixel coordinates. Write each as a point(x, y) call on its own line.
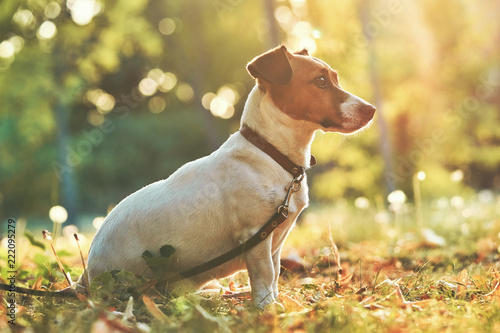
point(209, 206)
point(213, 204)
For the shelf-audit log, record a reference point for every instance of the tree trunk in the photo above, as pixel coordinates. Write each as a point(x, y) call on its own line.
point(385, 141)
point(274, 39)
point(67, 189)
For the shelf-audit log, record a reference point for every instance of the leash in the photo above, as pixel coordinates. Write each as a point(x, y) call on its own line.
point(298, 173)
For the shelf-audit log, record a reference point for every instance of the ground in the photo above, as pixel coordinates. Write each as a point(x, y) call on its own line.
point(349, 267)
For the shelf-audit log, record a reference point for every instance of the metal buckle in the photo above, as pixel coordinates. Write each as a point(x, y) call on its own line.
point(293, 187)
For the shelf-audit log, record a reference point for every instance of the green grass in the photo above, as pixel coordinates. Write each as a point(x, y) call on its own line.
point(394, 279)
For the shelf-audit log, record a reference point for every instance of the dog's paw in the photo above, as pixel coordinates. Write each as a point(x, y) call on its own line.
point(268, 303)
point(273, 307)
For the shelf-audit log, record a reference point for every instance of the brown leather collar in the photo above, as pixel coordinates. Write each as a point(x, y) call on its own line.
point(275, 154)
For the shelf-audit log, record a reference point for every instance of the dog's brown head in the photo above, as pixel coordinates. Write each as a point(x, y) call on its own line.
point(306, 88)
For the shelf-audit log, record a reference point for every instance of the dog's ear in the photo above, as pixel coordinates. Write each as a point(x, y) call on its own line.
point(304, 52)
point(272, 66)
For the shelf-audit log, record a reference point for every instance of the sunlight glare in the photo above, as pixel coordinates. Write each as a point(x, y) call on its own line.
point(309, 44)
point(82, 11)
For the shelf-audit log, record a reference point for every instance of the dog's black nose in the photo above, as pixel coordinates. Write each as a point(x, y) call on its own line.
point(368, 109)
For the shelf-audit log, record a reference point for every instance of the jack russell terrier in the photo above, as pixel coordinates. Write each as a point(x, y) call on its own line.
point(211, 205)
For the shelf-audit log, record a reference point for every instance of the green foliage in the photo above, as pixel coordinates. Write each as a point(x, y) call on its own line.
point(32, 240)
point(392, 280)
point(119, 285)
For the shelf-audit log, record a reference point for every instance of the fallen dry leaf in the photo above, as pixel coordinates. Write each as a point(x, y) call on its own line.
point(153, 308)
point(335, 250)
point(292, 265)
point(462, 283)
point(290, 304)
point(37, 284)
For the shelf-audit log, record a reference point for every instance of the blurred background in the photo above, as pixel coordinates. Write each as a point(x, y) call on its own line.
point(99, 98)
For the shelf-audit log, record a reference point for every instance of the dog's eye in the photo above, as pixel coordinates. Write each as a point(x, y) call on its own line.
point(321, 82)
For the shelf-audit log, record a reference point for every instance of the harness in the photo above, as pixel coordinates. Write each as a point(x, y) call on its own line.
point(298, 173)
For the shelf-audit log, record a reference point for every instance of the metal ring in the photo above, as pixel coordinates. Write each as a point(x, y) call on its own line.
point(283, 210)
point(263, 234)
point(274, 224)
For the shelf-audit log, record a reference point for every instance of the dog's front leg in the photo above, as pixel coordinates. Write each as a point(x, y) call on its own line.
point(261, 271)
point(277, 270)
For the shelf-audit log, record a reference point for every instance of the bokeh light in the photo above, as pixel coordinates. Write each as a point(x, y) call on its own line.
point(396, 197)
point(105, 103)
point(83, 11)
point(457, 176)
point(69, 230)
point(362, 203)
point(52, 10)
point(219, 107)
point(23, 18)
point(58, 214)
point(284, 15)
point(184, 92)
point(229, 94)
point(47, 30)
point(97, 222)
point(148, 87)
point(156, 104)
point(7, 49)
point(157, 75)
point(207, 99)
point(95, 117)
point(166, 26)
point(17, 42)
point(221, 104)
point(169, 82)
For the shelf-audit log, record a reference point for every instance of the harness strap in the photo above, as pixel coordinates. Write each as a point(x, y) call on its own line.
point(262, 234)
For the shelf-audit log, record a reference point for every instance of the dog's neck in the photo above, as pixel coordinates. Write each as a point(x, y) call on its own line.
point(291, 137)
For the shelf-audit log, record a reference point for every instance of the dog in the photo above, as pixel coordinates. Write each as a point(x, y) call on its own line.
point(212, 204)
